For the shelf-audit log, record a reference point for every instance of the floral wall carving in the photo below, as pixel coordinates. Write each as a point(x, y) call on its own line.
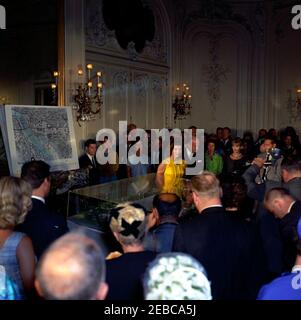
point(214, 73)
point(120, 81)
point(141, 85)
point(293, 107)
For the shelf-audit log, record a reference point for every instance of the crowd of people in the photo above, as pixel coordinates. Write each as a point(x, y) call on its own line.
point(230, 232)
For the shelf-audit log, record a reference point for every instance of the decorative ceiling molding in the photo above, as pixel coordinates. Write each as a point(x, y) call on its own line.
point(99, 36)
point(215, 11)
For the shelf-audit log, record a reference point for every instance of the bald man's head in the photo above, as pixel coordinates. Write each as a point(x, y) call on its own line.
point(206, 191)
point(206, 185)
point(278, 201)
point(72, 268)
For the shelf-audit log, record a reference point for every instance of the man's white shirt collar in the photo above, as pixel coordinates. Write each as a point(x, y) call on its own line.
point(38, 198)
point(90, 157)
point(290, 207)
point(213, 206)
point(296, 268)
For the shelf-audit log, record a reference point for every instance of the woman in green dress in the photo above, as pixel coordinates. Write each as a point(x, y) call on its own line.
point(213, 161)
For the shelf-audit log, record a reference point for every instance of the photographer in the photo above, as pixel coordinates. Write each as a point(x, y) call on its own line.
point(264, 173)
point(270, 170)
point(261, 176)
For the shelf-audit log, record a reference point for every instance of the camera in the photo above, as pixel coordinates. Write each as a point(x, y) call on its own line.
point(272, 156)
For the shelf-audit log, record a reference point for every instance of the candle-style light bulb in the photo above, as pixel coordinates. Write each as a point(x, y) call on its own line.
point(90, 85)
point(53, 86)
point(98, 77)
point(80, 73)
point(99, 87)
point(56, 75)
point(89, 67)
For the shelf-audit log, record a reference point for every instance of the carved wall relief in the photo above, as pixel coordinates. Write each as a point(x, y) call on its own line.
point(215, 74)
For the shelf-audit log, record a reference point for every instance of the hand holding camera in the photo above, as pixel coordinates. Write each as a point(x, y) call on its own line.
point(259, 162)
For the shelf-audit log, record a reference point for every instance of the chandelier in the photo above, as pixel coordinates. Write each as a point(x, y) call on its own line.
point(88, 102)
point(182, 102)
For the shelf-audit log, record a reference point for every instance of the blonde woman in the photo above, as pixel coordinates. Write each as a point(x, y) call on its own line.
point(16, 251)
point(124, 273)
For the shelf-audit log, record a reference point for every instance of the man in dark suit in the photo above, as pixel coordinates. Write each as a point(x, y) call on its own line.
point(225, 246)
point(41, 224)
point(162, 222)
point(285, 208)
point(88, 161)
point(287, 286)
point(227, 141)
point(291, 176)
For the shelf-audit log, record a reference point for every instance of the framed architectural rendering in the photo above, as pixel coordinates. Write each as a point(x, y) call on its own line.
point(39, 133)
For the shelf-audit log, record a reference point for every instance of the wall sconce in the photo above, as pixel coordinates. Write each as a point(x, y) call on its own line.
point(4, 100)
point(87, 103)
point(54, 88)
point(294, 105)
point(182, 102)
point(298, 100)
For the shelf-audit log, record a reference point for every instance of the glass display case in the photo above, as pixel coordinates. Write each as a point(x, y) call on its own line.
point(90, 206)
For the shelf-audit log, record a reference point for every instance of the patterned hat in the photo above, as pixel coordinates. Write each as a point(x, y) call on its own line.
point(129, 220)
point(176, 276)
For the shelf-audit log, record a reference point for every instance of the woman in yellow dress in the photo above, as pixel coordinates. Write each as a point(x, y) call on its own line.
point(171, 171)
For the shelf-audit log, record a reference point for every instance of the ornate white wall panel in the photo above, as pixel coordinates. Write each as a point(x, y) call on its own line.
point(216, 62)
